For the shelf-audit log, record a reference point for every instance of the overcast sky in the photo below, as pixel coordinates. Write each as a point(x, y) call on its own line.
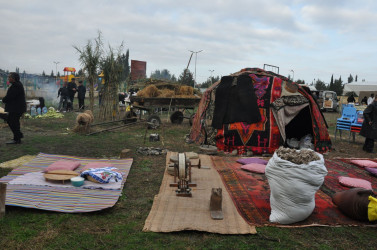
point(310, 39)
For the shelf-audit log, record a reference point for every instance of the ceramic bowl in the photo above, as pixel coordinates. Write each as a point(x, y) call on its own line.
point(77, 181)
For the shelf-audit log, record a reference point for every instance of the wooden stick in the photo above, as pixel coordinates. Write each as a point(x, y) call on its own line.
point(3, 188)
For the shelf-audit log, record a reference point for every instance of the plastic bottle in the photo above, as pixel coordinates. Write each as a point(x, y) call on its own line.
point(44, 110)
point(39, 111)
point(33, 111)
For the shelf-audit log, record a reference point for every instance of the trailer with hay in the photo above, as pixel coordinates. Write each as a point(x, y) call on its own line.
point(178, 101)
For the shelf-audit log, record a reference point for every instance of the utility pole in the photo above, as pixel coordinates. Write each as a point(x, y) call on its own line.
point(56, 72)
point(211, 70)
point(293, 77)
point(196, 55)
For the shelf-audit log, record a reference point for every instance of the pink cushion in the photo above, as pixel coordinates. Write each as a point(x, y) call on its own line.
point(373, 171)
point(364, 163)
point(96, 165)
point(354, 182)
point(251, 160)
point(63, 165)
point(254, 167)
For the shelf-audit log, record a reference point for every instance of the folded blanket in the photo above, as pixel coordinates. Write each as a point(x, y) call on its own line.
point(102, 175)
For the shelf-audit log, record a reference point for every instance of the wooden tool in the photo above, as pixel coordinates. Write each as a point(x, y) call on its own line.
point(215, 205)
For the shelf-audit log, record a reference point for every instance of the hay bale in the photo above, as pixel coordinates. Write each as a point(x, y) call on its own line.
point(186, 91)
point(150, 91)
point(167, 93)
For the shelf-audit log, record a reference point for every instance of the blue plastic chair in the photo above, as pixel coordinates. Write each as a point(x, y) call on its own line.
point(345, 121)
point(357, 124)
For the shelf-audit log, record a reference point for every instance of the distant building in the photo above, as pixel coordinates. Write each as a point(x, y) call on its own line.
point(138, 70)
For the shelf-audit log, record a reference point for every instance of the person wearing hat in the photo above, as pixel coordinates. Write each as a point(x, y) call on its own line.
point(72, 88)
point(81, 90)
point(15, 105)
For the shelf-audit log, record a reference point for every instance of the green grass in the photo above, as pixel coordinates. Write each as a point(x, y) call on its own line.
point(120, 227)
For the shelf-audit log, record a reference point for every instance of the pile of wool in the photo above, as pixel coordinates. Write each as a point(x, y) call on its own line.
point(303, 156)
point(83, 120)
point(185, 91)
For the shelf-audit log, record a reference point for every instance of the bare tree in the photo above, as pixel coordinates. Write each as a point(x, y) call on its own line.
point(90, 57)
point(112, 68)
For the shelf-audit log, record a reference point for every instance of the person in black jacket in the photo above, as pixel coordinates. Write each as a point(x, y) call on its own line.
point(81, 90)
point(63, 93)
point(15, 105)
point(369, 127)
point(72, 88)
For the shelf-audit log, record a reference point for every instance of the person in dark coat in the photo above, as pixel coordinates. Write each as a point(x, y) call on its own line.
point(72, 88)
point(351, 99)
point(364, 100)
point(81, 91)
point(64, 96)
point(369, 127)
point(15, 105)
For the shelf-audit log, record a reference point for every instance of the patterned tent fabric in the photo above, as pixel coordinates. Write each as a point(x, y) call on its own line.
point(264, 136)
point(62, 199)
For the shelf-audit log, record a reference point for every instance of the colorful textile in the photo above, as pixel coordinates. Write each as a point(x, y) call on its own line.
point(97, 164)
point(355, 182)
point(261, 137)
point(255, 168)
point(64, 199)
point(103, 175)
point(251, 193)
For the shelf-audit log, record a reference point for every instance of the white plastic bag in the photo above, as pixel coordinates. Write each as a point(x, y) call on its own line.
point(293, 188)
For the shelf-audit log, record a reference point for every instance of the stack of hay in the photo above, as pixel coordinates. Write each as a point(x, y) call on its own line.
point(177, 92)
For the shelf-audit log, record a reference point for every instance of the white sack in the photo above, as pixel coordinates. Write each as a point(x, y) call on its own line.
point(293, 187)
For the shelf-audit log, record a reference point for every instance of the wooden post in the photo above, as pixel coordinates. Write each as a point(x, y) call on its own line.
point(3, 188)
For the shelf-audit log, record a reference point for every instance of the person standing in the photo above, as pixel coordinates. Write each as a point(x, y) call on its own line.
point(351, 99)
point(72, 88)
point(15, 105)
point(81, 91)
point(63, 93)
point(370, 99)
point(369, 127)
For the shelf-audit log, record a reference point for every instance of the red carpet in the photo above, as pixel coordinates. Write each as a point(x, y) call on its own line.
point(251, 193)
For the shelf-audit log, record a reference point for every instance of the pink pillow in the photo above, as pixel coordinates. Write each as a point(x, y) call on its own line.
point(364, 163)
point(373, 171)
point(354, 182)
point(251, 160)
point(254, 167)
point(63, 165)
point(96, 165)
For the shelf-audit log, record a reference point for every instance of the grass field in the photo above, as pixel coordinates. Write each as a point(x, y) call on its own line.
point(120, 227)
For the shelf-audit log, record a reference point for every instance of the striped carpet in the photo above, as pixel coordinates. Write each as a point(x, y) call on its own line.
point(62, 199)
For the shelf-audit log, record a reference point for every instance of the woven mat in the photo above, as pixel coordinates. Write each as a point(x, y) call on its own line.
point(172, 213)
point(62, 199)
point(15, 163)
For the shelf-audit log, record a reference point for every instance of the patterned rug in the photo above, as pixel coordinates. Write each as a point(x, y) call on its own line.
point(62, 199)
point(251, 193)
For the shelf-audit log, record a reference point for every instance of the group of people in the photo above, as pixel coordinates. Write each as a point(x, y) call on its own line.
point(67, 94)
point(365, 101)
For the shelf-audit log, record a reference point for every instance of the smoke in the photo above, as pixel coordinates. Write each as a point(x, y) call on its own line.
point(39, 86)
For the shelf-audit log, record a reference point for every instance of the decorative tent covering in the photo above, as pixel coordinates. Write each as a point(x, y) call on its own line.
point(69, 69)
point(274, 127)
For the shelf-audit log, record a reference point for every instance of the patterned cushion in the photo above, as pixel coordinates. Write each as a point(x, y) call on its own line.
point(354, 182)
point(364, 163)
point(251, 160)
point(96, 165)
point(254, 167)
point(373, 171)
point(63, 165)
